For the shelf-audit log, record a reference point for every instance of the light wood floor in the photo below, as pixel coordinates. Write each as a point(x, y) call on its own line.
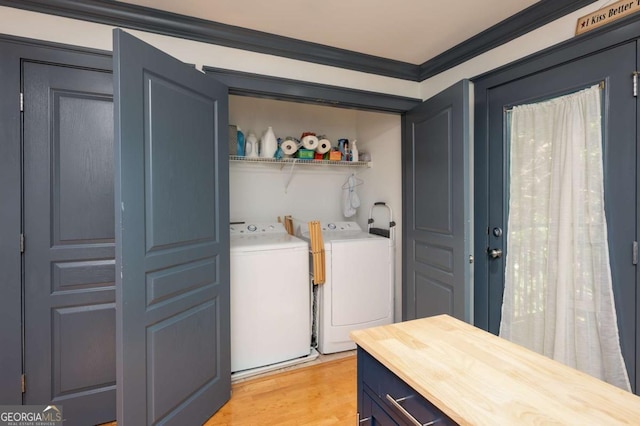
point(317, 395)
point(321, 394)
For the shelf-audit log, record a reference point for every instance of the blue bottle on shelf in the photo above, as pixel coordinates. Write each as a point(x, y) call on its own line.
point(240, 151)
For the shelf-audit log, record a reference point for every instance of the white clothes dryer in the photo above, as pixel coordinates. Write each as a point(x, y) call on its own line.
point(270, 296)
point(359, 283)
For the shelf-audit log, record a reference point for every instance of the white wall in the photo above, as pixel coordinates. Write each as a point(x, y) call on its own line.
point(546, 36)
point(381, 135)
point(259, 191)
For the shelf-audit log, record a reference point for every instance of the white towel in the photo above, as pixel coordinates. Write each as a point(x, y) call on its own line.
point(350, 199)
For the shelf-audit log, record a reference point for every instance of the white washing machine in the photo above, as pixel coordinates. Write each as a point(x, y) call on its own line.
point(359, 283)
point(270, 296)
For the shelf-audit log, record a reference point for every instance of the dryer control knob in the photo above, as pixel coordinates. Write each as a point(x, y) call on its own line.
point(252, 228)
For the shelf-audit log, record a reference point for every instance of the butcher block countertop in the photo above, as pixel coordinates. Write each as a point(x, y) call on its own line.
point(477, 378)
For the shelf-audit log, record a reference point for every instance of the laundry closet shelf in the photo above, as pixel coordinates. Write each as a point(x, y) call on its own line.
point(299, 161)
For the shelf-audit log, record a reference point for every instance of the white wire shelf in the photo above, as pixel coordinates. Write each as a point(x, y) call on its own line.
point(299, 161)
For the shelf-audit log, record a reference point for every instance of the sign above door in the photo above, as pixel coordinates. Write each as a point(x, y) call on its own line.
point(606, 15)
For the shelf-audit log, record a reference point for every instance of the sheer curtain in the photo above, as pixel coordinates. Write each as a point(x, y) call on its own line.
point(558, 297)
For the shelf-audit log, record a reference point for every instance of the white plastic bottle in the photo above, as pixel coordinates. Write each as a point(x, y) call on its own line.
point(268, 144)
point(354, 151)
point(251, 146)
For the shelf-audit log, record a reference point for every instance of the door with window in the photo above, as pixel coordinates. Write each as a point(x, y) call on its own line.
point(613, 67)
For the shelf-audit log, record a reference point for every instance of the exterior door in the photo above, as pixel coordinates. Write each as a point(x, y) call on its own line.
point(69, 270)
point(437, 206)
point(614, 67)
point(172, 238)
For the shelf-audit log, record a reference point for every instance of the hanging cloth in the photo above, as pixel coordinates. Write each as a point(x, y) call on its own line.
point(350, 199)
point(558, 297)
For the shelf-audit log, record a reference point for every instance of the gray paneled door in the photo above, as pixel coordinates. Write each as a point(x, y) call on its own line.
point(437, 206)
point(69, 273)
point(172, 238)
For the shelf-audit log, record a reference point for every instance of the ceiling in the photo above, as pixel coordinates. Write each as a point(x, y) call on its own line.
point(412, 31)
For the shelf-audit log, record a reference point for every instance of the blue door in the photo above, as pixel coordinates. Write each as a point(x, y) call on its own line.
point(68, 220)
point(172, 241)
point(437, 207)
point(620, 181)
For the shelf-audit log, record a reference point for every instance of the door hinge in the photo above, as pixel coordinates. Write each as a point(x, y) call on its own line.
point(634, 253)
point(634, 76)
point(23, 383)
point(21, 102)
point(21, 243)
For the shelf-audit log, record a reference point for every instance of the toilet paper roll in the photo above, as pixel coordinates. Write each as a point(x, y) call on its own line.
point(310, 142)
point(289, 147)
point(324, 146)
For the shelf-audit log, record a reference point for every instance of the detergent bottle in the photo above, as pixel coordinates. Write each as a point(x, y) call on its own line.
point(240, 148)
point(354, 151)
point(251, 146)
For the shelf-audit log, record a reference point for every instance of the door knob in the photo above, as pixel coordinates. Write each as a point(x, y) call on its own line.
point(494, 253)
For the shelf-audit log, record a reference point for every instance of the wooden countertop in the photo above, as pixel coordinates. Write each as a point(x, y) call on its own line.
point(477, 378)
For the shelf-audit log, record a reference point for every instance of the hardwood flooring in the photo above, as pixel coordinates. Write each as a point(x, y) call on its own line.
point(322, 394)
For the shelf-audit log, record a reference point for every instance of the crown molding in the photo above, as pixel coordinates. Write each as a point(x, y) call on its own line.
point(258, 85)
point(535, 16)
point(130, 16)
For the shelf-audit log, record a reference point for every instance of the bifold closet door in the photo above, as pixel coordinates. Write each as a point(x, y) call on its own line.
point(69, 270)
point(437, 206)
point(172, 238)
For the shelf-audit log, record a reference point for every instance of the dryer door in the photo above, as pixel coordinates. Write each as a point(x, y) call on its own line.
point(362, 282)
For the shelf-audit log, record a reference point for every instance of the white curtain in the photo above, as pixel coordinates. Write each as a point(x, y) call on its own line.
point(558, 298)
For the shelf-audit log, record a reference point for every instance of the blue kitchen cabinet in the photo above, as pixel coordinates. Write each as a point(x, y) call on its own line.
point(385, 399)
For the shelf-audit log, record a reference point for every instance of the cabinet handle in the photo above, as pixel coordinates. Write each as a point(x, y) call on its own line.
point(360, 421)
point(413, 420)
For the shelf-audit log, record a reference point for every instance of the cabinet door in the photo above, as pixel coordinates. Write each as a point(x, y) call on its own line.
point(377, 385)
point(437, 208)
point(372, 414)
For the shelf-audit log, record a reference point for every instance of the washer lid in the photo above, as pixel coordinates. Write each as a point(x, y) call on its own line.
point(262, 242)
point(331, 228)
point(339, 231)
point(349, 236)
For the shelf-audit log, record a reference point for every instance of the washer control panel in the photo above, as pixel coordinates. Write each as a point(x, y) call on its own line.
point(256, 228)
point(339, 226)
